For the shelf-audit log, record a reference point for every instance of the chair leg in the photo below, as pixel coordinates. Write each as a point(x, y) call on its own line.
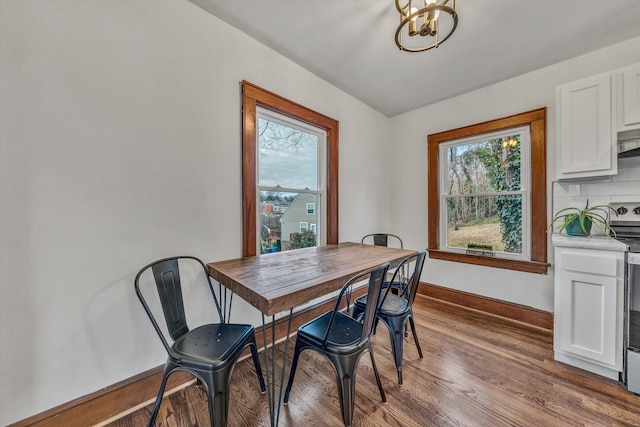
point(415, 336)
point(218, 397)
point(156, 407)
point(396, 333)
point(256, 363)
point(345, 367)
point(375, 371)
point(292, 373)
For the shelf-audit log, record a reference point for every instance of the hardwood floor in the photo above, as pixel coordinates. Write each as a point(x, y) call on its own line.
point(478, 370)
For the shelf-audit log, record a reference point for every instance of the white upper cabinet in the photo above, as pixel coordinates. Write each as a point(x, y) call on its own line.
point(585, 132)
point(628, 98)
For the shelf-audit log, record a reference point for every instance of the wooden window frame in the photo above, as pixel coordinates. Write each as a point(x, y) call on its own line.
point(536, 120)
point(252, 98)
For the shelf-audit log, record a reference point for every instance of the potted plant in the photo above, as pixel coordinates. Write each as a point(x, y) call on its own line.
point(578, 222)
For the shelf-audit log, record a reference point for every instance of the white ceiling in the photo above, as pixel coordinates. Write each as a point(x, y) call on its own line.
point(350, 43)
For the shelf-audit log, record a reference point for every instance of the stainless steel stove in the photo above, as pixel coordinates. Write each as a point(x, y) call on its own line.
point(627, 224)
point(627, 228)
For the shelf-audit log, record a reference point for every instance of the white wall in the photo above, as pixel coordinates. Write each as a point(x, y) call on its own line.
point(120, 144)
point(409, 188)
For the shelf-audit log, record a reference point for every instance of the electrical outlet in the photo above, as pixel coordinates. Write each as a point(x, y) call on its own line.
point(574, 190)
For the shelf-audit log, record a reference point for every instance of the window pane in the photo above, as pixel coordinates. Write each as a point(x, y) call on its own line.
point(484, 167)
point(284, 221)
point(311, 208)
point(485, 222)
point(288, 157)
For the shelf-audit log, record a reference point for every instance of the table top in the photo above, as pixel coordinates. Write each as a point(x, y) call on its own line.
point(279, 281)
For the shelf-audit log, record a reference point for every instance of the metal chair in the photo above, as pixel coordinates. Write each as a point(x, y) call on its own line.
point(343, 340)
point(209, 352)
point(382, 239)
point(395, 310)
point(388, 240)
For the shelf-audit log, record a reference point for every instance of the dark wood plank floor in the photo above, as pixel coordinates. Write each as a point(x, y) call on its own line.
point(478, 370)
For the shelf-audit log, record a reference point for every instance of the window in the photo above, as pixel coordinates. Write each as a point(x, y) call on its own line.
point(487, 193)
point(278, 135)
point(290, 182)
point(484, 194)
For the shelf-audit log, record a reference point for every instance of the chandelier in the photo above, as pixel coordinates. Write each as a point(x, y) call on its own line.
point(422, 28)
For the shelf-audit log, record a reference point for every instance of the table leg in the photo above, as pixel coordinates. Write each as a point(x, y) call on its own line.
point(224, 301)
point(275, 402)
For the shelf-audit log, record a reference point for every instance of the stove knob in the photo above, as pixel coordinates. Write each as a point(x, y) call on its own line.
point(622, 210)
point(636, 210)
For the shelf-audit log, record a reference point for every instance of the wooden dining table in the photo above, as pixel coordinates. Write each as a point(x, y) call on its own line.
point(278, 282)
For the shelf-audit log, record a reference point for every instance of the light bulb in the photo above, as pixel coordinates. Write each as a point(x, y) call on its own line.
point(412, 24)
point(433, 15)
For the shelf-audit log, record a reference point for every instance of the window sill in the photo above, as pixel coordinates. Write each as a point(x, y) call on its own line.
point(508, 264)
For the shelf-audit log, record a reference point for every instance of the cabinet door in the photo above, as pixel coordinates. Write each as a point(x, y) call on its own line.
point(585, 129)
point(631, 96)
point(588, 316)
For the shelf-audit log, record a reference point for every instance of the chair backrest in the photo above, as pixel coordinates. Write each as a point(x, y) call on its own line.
point(376, 278)
point(166, 273)
point(409, 287)
point(382, 239)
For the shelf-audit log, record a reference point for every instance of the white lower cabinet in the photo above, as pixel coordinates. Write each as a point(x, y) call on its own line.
point(588, 318)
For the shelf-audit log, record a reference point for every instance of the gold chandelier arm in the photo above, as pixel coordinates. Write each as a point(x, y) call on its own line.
point(409, 16)
point(402, 9)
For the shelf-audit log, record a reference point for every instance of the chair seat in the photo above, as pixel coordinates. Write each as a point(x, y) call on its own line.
point(392, 305)
point(345, 333)
point(213, 344)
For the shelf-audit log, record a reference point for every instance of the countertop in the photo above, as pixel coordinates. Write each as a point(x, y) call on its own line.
point(604, 243)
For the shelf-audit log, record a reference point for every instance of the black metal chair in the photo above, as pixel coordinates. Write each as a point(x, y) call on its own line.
point(382, 239)
point(388, 240)
point(395, 310)
point(343, 340)
point(209, 352)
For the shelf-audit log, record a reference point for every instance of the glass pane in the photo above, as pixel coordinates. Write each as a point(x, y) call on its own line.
point(483, 167)
point(490, 223)
point(285, 221)
point(288, 157)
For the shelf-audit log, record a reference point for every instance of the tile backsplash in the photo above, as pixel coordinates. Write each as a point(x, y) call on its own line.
point(621, 188)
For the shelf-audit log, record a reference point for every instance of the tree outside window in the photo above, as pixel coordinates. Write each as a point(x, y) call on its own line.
point(484, 196)
point(487, 193)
